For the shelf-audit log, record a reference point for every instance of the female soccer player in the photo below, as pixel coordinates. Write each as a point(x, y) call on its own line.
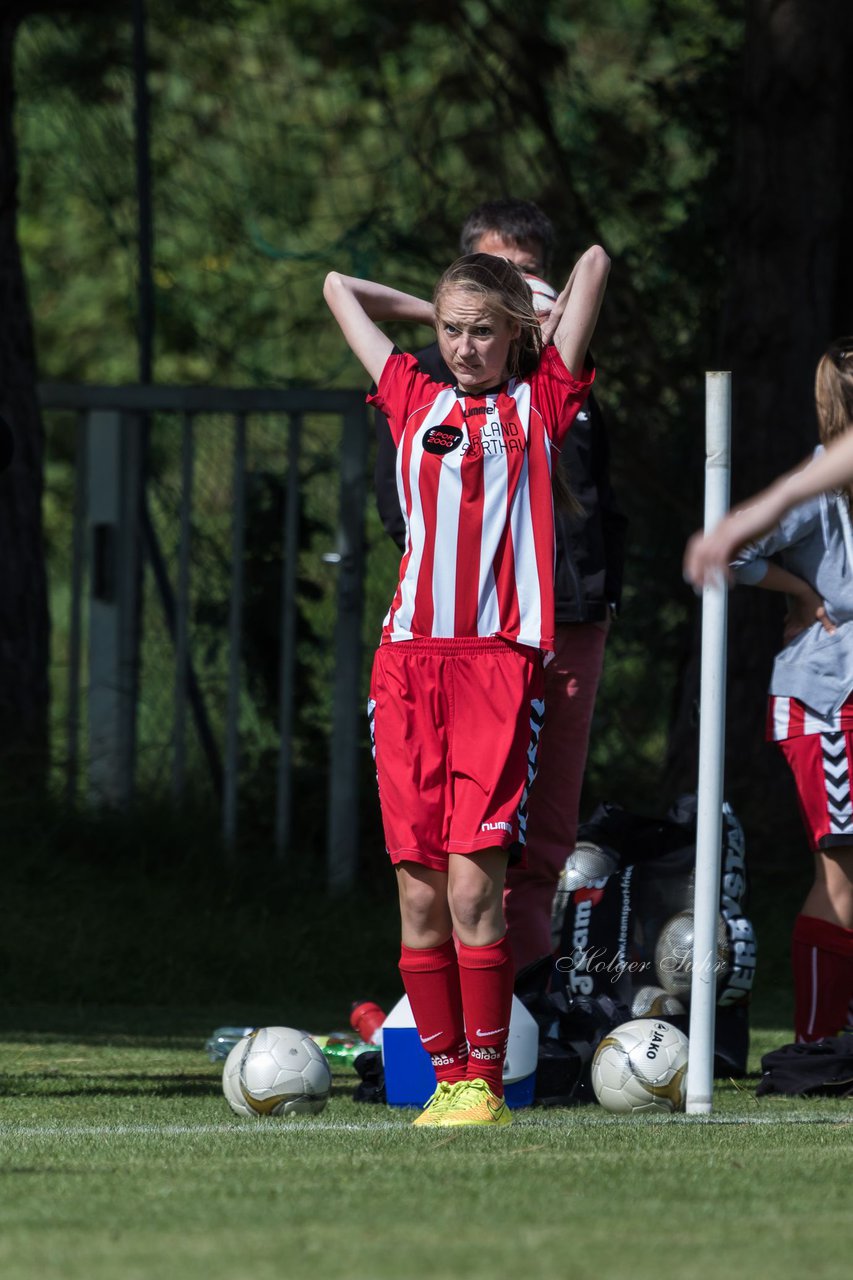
point(456, 690)
point(809, 556)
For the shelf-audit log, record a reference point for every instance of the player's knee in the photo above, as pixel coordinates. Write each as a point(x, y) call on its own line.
point(420, 906)
point(473, 905)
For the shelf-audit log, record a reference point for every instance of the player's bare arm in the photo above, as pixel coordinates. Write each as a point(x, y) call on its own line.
point(573, 318)
point(832, 469)
point(358, 305)
point(550, 322)
point(707, 556)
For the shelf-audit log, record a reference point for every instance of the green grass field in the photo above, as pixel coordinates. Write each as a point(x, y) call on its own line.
point(121, 1161)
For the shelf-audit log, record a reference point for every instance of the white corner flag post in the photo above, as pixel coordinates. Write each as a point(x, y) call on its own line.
point(712, 720)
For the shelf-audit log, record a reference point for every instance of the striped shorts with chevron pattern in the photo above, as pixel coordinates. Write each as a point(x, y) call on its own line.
point(821, 765)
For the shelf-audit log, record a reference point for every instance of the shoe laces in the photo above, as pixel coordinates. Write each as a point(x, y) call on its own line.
point(444, 1095)
point(473, 1091)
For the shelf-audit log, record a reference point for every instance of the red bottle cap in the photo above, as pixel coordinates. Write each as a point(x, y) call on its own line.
point(366, 1018)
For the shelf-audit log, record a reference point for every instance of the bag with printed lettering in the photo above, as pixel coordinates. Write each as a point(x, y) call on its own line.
point(623, 916)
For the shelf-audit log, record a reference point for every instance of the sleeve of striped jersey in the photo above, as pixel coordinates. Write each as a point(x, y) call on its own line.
point(402, 387)
point(557, 395)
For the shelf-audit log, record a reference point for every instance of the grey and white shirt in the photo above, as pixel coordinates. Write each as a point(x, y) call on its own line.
point(815, 542)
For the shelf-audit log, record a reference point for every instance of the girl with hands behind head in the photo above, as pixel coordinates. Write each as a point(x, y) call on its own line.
point(457, 684)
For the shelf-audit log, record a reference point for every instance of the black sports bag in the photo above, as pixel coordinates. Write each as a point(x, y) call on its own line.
point(823, 1068)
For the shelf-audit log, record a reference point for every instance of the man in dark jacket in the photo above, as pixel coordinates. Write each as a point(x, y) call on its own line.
point(588, 583)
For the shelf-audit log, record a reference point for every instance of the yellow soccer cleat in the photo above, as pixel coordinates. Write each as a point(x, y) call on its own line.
point(435, 1107)
point(473, 1103)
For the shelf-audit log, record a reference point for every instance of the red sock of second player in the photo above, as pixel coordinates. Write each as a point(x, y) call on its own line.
point(822, 962)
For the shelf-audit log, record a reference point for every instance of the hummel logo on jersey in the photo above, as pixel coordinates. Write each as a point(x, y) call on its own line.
point(442, 439)
point(496, 826)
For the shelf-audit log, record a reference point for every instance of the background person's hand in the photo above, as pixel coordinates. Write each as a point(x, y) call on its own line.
point(804, 610)
point(707, 557)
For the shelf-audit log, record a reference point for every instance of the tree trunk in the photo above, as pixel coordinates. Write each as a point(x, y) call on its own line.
point(791, 263)
point(24, 626)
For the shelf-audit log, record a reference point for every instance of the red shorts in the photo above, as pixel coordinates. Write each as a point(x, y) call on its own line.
point(821, 764)
point(454, 725)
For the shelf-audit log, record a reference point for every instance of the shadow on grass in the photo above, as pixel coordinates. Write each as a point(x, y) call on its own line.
point(124, 1084)
point(127, 1085)
point(18, 1032)
point(129, 1027)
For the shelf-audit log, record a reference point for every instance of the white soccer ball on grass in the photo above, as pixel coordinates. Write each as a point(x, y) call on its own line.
point(231, 1079)
point(641, 1067)
point(283, 1072)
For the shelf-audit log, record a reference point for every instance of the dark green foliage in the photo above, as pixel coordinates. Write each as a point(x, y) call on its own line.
point(138, 909)
point(288, 138)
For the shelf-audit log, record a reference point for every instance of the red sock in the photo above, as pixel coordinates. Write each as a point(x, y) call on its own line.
point(431, 978)
point(486, 976)
point(822, 961)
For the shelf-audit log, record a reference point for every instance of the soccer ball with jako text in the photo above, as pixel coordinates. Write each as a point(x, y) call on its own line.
point(282, 1072)
point(641, 1067)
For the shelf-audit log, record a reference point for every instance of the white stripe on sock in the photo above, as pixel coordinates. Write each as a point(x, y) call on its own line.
point(814, 990)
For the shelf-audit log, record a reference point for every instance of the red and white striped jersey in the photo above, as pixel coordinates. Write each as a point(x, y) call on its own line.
point(790, 718)
point(474, 482)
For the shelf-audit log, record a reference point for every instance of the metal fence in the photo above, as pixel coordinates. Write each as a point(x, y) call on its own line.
point(173, 495)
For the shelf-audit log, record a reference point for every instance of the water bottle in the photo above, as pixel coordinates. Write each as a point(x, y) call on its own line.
point(221, 1041)
point(342, 1047)
point(367, 1018)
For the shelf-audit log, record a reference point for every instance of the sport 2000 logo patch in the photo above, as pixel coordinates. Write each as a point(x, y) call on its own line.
point(442, 439)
